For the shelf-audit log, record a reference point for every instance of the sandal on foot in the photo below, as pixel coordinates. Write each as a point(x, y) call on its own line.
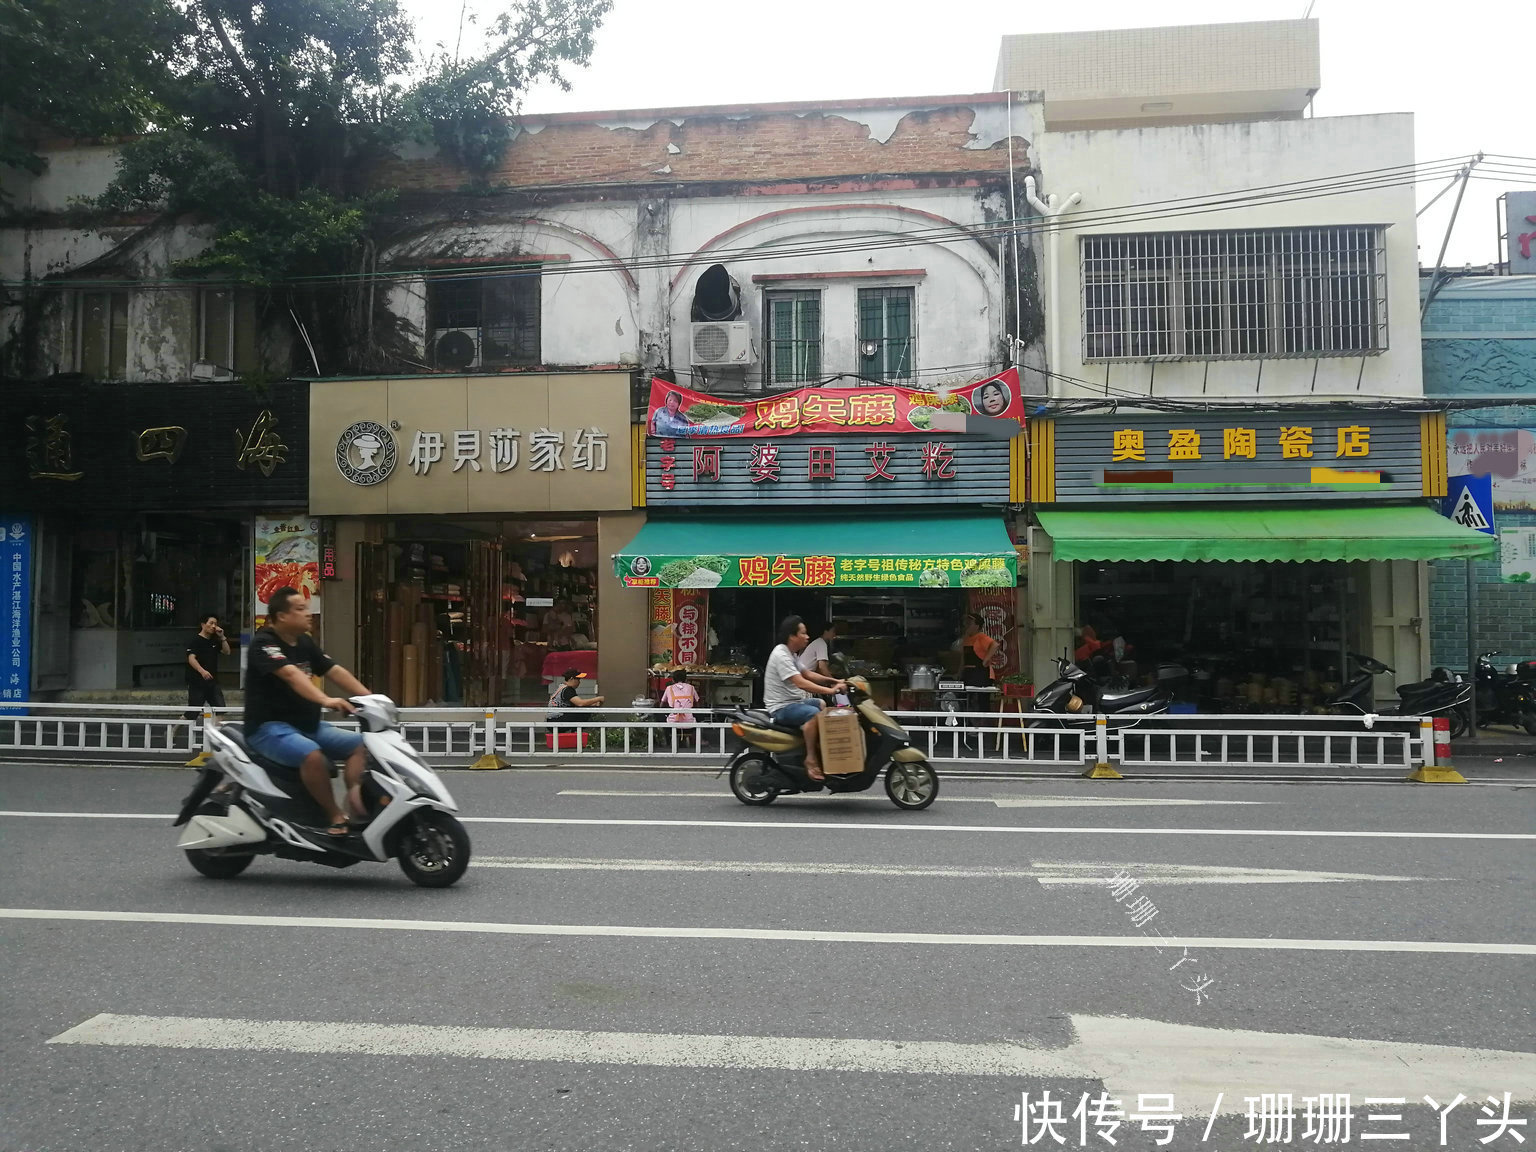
point(339, 828)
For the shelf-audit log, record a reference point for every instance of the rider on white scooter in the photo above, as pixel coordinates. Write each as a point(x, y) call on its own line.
point(282, 706)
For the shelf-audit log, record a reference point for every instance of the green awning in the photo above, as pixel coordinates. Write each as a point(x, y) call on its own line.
point(749, 551)
point(1317, 533)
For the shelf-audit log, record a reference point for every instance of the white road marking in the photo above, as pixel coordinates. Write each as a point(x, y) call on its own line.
point(999, 801)
point(1048, 873)
point(846, 826)
point(804, 936)
point(1198, 1065)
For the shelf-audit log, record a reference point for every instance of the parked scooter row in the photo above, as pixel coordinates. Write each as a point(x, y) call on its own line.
point(1443, 694)
point(1507, 695)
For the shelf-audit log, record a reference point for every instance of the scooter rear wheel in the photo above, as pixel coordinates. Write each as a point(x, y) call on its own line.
point(1458, 719)
point(747, 785)
point(218, 863)
point(435, 851)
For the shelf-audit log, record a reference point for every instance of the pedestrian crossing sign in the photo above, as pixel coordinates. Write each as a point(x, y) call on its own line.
point(1469, 502)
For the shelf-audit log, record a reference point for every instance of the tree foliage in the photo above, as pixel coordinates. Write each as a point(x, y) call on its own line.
point(266, 118)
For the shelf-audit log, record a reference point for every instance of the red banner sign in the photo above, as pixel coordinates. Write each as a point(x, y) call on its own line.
point(679, 413)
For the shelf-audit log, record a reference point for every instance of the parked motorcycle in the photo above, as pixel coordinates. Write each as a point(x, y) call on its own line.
point(237, 811)
point(1506, 696)
point(1443, 694)
point(1079, 695)
point(773, 762)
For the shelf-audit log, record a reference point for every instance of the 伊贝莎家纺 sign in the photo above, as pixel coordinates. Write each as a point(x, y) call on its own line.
point(678, 413)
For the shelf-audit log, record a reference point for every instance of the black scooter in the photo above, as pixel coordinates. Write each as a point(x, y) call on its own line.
point(1443, 694)
point(1077, 696)
point(1507, 697)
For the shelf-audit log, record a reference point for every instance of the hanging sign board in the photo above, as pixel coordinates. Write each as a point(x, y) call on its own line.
point(990, 408)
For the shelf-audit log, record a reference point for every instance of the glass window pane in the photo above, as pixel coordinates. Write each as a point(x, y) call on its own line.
point(214, 345)
point(117, 353)
point(94, 307)
point(247, 355)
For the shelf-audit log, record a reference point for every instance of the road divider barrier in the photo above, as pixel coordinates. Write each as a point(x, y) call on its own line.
point(1095, 746)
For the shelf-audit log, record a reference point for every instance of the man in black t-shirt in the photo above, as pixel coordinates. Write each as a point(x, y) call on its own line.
point(282, 705)
point(203, 652)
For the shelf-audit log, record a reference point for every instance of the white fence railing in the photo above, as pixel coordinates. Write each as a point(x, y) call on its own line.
point(451, 737)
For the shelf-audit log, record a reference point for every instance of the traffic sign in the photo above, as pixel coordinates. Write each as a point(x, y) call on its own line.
point(1469, 502)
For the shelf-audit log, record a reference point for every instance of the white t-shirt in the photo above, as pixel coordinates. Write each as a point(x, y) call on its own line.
point(777, 690)
point(814, 651)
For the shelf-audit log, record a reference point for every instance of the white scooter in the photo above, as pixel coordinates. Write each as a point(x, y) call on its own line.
point(237, 812)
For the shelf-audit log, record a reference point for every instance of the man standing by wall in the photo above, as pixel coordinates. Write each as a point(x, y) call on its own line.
point(203, 654)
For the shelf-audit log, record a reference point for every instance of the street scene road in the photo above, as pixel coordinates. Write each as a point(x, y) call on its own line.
point(634, 960)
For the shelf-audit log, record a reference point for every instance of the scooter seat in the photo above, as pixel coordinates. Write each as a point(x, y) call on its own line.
point(758, 718)
point(1113, 700)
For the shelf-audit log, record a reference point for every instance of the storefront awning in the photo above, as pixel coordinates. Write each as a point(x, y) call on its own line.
point(747, 551)
point(1317, 533)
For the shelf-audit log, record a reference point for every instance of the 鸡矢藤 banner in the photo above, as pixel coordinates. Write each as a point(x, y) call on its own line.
point(678, 413)
point(770, 571)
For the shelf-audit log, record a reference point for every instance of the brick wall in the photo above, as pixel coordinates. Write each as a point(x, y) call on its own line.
point(726, 145)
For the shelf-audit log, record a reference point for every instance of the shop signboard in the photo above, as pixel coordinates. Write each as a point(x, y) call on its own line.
point(1520, 225)
point(154, 447)
point(843, 571)
point(532, 442)
point(285, 554)
point(678, 413)
point(766, 473)
point(679, 627)
point(16, 564)
point(1508, 455)
point(1158, 457)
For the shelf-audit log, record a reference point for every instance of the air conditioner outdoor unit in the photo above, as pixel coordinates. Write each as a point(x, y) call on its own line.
point(207, 370)
point(722, 343)
point(456, 348)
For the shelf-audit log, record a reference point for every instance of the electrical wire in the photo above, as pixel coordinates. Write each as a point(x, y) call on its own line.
point(1288, 192)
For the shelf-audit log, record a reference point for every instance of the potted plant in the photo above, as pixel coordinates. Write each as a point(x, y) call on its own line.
point(1016, 686)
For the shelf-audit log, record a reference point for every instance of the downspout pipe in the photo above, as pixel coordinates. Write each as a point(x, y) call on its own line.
point(1051, 208)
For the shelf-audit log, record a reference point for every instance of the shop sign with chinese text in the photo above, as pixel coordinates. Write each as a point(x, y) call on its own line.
point(827, 470)
point(843, 571)
point(16, 565)
point(154, 447)
point(678, 413)
point(531, 442)
point(1158, 457)
point(1508, 455)
point(285, 553)
point(679, 627)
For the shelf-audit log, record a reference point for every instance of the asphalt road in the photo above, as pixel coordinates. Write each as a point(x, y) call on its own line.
point(636, 961)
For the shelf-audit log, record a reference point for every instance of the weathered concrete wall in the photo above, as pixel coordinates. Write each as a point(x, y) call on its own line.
point(1116, 170)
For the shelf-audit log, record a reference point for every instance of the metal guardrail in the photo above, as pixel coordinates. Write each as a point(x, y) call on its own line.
point(501, 736)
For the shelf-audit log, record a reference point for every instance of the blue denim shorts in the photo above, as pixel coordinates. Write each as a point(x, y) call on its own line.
point(798, 713)
point(282, 743)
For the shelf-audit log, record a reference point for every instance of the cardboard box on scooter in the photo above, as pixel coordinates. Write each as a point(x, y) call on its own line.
point(842, 742)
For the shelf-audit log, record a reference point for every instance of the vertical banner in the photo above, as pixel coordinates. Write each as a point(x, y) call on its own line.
point(996, 607)
point(285, 553)
point(16, 564)
point(679, 627)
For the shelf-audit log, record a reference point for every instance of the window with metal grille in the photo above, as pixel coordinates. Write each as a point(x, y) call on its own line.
point(494, 317)
point(1235, 295)
point(887, 347)
point(794, 336)
point(101, 334)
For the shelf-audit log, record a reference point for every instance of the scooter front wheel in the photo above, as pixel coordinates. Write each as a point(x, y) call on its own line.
point(912, 785)
point(435, 850)
point(747, 783)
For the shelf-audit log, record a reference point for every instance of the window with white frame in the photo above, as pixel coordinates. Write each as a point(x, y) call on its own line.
point(1235, 295)
point(226, 330)
point(887, 346)
point(101, 334)
point(489, 321)
point(793, 321)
